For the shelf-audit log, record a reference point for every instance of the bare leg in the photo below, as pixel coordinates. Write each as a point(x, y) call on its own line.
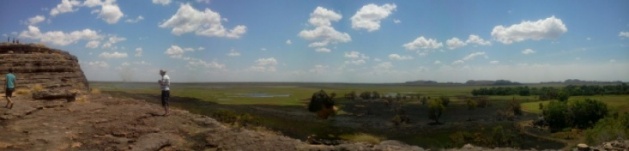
point(9, 103)
point(165, 110)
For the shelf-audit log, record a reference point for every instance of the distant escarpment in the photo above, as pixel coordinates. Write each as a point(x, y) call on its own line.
point(36, 65)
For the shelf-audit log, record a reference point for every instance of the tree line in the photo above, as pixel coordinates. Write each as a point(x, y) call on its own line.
point(546, 93)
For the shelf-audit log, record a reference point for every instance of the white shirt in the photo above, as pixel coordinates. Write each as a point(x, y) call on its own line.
point(165, 84)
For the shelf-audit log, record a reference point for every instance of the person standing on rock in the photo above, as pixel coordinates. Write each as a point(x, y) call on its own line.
point(10, 83)
point(165, 85)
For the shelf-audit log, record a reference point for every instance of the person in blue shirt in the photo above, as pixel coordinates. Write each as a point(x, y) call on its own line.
point(10, 82)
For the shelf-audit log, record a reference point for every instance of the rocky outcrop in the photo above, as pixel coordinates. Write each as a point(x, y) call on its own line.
point(35, 64)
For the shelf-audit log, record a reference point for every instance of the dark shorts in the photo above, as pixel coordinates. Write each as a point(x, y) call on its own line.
point(165, 96)
point(8, 92)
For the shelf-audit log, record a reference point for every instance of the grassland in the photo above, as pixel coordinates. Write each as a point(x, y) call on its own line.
point(282, 107)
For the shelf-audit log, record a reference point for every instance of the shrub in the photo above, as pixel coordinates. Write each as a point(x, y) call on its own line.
point(557, 115)
point(608, 129)
point(444, 100)
point(587, 113)
point(515, 107)
point(482, 102)
point(322, 104)
point(541, 106)
point(580, 114)
point(424, 100)
point(22, 91)
point(435, 110)
point(471, 105)
point(37, 88)
point(563, 96)
point(95, 91)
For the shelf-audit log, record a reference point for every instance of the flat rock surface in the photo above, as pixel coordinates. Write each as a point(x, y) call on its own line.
point(103, 122)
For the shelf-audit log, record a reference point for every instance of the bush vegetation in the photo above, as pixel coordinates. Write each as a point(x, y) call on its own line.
point(608, 129)
point(546, 93)
point(578, 114)
point(435, 110)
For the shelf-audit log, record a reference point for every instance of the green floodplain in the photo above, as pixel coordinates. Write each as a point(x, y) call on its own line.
point(282, 108)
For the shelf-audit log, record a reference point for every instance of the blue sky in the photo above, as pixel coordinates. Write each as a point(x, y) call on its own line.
point(331, 40)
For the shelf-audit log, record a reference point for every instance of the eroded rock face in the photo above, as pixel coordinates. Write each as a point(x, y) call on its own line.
point(39, 65)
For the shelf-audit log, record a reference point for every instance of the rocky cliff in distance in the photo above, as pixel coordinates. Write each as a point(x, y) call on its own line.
point(36, 64)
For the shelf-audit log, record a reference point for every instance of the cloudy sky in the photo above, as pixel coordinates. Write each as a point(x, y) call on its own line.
point(331, 40)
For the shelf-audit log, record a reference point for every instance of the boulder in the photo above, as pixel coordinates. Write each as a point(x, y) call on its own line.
point(583, 147)
point(39, 67)
point(55, 94)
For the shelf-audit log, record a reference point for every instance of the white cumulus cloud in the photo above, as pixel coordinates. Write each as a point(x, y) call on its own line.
point(98, 64)
point(475, 39)
point(399, 57)
point(265, 65)
point(324, 34)
point(92, 44)
point(36, 20)
point(161, 2)
point(138, 19)
point(233, 53)
point(423, 45)
point(324, 50)
point(469, 57)
point(64, 7)
point(58, 37)
point(288, 42)
point(548, 28)
point(204, 23)
point(175, 51)
point(193, 62)
point(109, 11)
point(383, 66)
point(528, 51)
point(113, 55)
point(113, 40)
point(624, 34)
point(369, 16)
point(138, 52)
point(454, 43)
point(318, 69)
point(356, 58)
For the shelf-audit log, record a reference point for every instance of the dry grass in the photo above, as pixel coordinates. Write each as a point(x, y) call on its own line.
point(82, 99)
point(37, 88)
point(363, 137)
point(95, 91)
point(22, 91)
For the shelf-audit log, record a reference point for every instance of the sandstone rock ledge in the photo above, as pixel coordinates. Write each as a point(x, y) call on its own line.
point(103, 122)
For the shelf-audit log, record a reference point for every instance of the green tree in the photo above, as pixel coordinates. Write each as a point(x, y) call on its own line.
point(435, 110)
point(608, 129)
point(541, 106)
point(444, 100)
point(471, 105)
point(587, 113)
point(424, 100)
point(375, 94)
point(321, 102)
point(563, 96)
point(557, 115)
